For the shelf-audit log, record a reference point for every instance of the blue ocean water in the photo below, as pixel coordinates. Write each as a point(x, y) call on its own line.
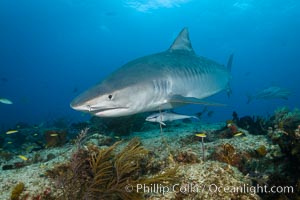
point(52, 50)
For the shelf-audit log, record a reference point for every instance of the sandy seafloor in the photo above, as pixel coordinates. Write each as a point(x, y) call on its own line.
point(202, 173)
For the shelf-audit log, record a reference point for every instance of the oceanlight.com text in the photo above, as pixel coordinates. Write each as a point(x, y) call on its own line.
point(211, 188)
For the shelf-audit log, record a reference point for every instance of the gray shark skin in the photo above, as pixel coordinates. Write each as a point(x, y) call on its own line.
point(155, 82)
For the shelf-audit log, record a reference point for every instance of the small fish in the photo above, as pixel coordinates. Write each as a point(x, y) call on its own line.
point(238, 134)
point(202, 135)
point(117, 137)
point(161, 117)
point(9, 142)
point(11, 132)
point(54, 135)
point(5, 101)
point(23, 157)
point(35, 134)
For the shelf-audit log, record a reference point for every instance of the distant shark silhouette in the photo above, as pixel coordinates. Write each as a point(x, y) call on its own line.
point(273, 92)
point(159, 81)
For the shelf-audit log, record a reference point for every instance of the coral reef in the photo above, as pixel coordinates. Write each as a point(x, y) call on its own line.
point(16, 192)
point(261, 151)
point(100, 164)
point(230, 124)
point(286, 119)
point(187, 156)
point(96, 173)
point(15, 165)
point(283, 128)
point(255, 125)
point(55, 138)
point(6, 155)
point(227, 153)
point(201, 181)
point(285, 131)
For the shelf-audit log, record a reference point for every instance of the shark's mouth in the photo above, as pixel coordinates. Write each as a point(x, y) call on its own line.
point(95, 110)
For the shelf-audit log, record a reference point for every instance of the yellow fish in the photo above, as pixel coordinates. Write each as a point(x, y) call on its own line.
point(201, 135)
point(11, 132)
point(23, 157)
point(238, 134)
point(54, 135)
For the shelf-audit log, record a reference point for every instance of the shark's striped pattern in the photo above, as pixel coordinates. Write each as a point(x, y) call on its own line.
point(152, 82)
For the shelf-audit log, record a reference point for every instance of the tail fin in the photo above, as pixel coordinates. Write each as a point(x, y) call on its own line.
point(229, 66)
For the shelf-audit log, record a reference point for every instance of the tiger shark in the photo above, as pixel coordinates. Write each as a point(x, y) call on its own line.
point(160, 81)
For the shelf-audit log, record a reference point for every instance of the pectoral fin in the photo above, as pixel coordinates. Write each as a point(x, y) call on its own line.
point(162, 123)
point(178, 99)
point(195, 117)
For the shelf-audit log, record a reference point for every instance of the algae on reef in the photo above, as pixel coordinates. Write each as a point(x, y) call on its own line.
point(102, 174)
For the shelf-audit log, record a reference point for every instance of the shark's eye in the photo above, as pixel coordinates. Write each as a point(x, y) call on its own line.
point(110, 96)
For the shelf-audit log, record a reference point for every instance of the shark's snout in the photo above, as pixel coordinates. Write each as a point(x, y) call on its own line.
point(76, 104)
point(103, 110)
point(84, 108)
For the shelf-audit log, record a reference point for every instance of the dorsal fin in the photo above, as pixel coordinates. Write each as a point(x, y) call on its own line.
point(182, 42)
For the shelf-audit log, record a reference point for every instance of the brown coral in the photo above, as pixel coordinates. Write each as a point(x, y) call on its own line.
point(227, 153)
point(16, 192)
point(55, 138)
point(102, 174)
point(261, 151)
point(187, 157)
